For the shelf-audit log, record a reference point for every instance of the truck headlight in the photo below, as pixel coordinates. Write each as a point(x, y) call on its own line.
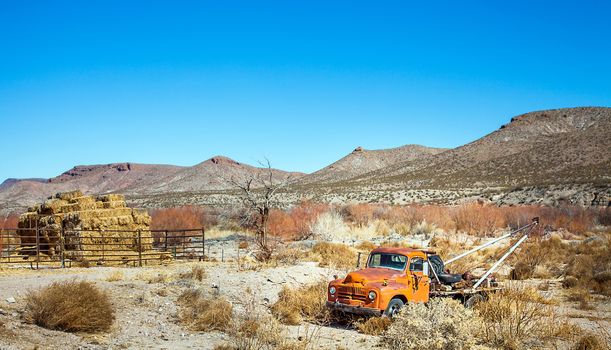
point(332, 290)
point(372, 295)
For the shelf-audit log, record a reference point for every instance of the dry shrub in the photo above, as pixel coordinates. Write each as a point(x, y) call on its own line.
point(202, 313)
point(517, 317)
point(288, 256)
point(295, 305)
point(366, 246)
point(590, 263)
point(153, 278)
point(441, 324)
point(243, 245)
point(281, 224)
point(196, 273)
point(478, 219)
point(548, 254)
point(184, 217)
point(70, 306)
point(591, 341)
point(304, 215)
point(115, 276)
point(581, 296)
point(330, 226)
point(335, 255)
point(254, 332)
point(373, 325)
point(358, 214)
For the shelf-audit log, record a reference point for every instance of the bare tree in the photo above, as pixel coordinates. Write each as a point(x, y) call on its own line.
point(259, 194)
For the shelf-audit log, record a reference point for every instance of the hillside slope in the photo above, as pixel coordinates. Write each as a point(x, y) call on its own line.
point(362, 161)
point(571, 145)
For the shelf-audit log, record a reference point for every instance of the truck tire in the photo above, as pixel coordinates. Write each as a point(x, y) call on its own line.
point(393, 307)
point(473, 300)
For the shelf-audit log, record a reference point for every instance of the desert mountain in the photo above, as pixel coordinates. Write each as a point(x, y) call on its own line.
point(215, 173)
point(571, 145)
point(362, 161)
point(539, 157)
point(130, 178)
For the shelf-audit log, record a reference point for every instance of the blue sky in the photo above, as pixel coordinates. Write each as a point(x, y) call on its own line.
point(301, 83)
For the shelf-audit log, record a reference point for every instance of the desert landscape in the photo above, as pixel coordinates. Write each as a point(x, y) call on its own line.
point(266, 175)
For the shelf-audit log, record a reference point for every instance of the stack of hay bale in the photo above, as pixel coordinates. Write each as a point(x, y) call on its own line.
point(90, 225)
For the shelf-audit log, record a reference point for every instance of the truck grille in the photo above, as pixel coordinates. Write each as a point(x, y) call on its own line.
point(351, 293)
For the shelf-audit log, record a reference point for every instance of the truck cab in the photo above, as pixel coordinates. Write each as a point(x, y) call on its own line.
point(392, 277)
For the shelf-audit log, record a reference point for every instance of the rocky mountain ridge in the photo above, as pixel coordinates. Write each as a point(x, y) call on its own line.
point(548, 157)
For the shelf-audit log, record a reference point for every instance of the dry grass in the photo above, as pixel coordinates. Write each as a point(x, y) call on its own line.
point(203, 313)
point(288, 256)
point(519, 317)
point(443, 324)
point(335, 255)
point(295, 305)
point(366, 246)
point(115, 276)
point(373, 325)
point(70, 306)
point(581, 296)
point(196, 273)
point(591, 341)
point(254, 332)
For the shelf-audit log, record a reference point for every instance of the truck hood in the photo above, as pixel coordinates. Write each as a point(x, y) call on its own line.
point(369, 275)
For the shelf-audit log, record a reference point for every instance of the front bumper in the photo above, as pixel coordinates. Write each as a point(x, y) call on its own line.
point(351, 309)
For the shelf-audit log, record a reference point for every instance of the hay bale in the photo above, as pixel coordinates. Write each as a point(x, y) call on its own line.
point(84, 220)
point(111, 198)
point(52, 206)
point(69, 195)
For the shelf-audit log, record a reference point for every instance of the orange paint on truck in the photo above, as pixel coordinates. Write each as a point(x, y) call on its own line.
point(391, 275)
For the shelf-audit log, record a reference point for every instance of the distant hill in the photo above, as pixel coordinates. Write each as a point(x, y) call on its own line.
point(547, 157)
point(362, 161)
point(571, 145)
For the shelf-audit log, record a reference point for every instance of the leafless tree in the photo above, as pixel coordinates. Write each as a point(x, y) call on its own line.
point(259, 194)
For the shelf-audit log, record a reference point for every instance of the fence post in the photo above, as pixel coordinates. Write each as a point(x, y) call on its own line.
point(8, 242)
point(101, 232)
point(37, 244)
point(62, 247)
point(139, 248)
point(203, 244)
point(166, 240)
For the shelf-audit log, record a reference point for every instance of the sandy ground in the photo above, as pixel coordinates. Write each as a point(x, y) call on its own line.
point(147, 313)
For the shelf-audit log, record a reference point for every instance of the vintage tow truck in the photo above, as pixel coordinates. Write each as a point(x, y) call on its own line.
point(396, 276)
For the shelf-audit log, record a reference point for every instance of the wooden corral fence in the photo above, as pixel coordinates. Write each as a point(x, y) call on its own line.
point(67, 248)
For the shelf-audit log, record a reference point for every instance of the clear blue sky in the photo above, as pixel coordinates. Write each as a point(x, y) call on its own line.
point(301, 83)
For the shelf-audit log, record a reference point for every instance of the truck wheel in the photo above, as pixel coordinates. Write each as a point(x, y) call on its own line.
point(393, 307)
point(473, 300)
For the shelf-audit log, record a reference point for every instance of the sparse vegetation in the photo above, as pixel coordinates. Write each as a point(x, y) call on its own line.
point(70, 306)
point(204, 313)
point(519, 317)
point(335, 255)
point(373, 325)
point(442, 324)
point(115, 276)
point(295, 305)
point(196, 273)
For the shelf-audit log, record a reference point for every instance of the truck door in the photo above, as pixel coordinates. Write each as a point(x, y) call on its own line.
point(418, 269)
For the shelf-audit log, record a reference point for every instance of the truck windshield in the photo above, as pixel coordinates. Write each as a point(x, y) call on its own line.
point(389, 261)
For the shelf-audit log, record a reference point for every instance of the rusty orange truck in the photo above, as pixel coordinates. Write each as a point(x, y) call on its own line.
point(396, 276)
